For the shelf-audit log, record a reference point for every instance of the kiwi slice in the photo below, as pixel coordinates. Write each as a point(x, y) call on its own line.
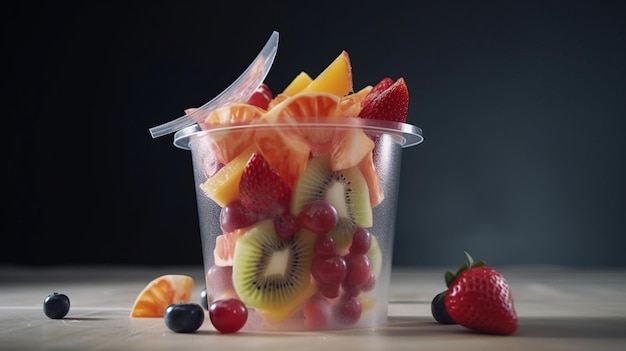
point(346, 190)
point(269, 272)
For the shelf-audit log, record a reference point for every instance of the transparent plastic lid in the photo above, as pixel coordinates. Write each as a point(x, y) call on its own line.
point(407, 134)
point(240, 90)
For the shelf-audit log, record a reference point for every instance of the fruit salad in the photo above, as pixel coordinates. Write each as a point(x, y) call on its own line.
point(296, 195)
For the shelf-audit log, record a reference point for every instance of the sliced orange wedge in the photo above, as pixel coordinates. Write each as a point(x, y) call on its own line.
point(161, 292)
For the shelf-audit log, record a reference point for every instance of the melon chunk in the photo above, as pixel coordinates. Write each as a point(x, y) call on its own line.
point(223, 186)
point(336, 78)
point(297, 84)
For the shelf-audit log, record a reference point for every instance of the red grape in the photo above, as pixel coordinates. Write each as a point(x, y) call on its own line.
point(324, 246)
point(358, 269)
point(369, 284)
point(347, 310)
point(235, 216)
point(329, 270)
point(228, 315)
point(286, 225)
point(361, 241)
point(320, 217)
point(330, 291)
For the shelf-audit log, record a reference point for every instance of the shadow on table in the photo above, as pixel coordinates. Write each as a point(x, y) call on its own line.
point(570, 328)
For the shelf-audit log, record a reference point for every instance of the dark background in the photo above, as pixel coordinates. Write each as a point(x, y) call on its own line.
point(522, 104)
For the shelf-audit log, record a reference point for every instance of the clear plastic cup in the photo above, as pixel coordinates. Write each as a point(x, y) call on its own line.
point(282, 280)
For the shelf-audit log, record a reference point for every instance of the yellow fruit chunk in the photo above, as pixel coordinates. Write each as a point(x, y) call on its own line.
point(223, 186)
point(336, 78)
point(161, 292)
point(297, 84)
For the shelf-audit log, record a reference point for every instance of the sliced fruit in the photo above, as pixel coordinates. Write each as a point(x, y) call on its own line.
point(298, 84)
point(381, 86)
point(223, 187)
point(352, 104)
point(227, 145)
point(161, 292)
point(349, 148)
point(368, 169)
point(225, 247)
point(336, 78)
point(390, 105)
point(261, 188)
point(270, 273)
point(346, 190)
point(315, 106)
point(285, 150)
point(261, 96)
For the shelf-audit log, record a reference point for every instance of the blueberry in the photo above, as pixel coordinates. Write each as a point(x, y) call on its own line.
point(204, 299)
point(184, 317)
point(438, 309)
point(56, 305)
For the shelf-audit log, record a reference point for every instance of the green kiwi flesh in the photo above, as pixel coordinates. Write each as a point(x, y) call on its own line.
point(346, 190)
point(269, 271)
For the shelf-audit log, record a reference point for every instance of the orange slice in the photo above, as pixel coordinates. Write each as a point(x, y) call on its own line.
point(228, 145)
point(161, 292)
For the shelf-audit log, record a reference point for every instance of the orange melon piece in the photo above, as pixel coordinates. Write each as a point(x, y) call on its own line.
point(297, 84)
point(377, 193)
point(352, 104)
point(161, 292)
point(349, 147)
point(223, 186)
point(228, 145)
point(225, 247)
point(336, 78)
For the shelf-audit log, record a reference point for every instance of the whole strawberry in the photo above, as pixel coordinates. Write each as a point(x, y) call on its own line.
point(479, 298)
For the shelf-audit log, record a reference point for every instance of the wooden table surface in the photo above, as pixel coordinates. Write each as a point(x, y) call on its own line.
point(558, 309)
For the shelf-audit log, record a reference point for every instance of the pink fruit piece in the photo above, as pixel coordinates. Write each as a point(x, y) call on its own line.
point(261, 189)
point(317, 313)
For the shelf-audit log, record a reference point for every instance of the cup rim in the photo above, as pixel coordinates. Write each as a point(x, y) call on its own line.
point(408, 135)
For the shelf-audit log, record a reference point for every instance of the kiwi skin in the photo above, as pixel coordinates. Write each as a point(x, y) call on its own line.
point(346, 190)
point(269, 272)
